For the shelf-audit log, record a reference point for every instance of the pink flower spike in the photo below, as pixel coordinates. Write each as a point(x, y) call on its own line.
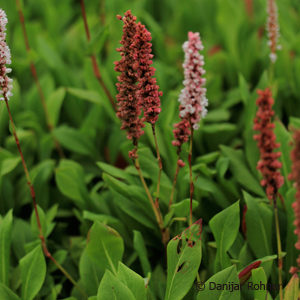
point(147, 91)
point(192, 99)
point(5, 59)
point(129, 108)
point(268, 164)
point(295, 175)
point(273, 29)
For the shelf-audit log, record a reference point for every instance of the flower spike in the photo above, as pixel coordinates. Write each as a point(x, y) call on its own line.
point(129, 108)
point(295, 175)
point(273, 29)
point(268, 164)
point(193, 101)
point(5, 59)
point(147, 91)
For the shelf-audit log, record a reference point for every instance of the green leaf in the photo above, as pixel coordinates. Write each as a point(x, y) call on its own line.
point(182, 208)
point(60, 256)
point(21, 234)
point(128, 191)
point(133, 281)
point(244, 90)
point(98, 41)
point(140, 248)
point(105, 247)
point(259, 222)
point(33, 272)
point(149, 166)
point(93, 97)
point(219, 133)
point(208, 158)
point(210, 290)
point(7, 294)
point(5, 242)
point(134, 201)
point(217, 115)
point(43, 221)
point(291, 291)
point(241, 171)
point(208, 185)
point(113, 171)
point(184, 257)
point(90, 96)
point(294, 122)
point(259, 277)
point(225, 227)
point(8, 165)
point(54, 103)
point(113, 288)
point(90, 273)
point(69, 177)
point(75, 141)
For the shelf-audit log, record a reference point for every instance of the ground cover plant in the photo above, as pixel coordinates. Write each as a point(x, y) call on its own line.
point(149, 149)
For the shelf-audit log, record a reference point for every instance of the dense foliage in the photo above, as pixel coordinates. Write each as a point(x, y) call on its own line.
point(95, 214)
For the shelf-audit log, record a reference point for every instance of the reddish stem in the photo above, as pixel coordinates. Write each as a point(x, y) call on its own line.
point(249, 8)
point(95, 65)
point(36, 80)
point(33, 196)
point(279, 249)
point(191, 176)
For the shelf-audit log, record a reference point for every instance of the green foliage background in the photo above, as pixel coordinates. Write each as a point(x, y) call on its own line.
point(96, 184)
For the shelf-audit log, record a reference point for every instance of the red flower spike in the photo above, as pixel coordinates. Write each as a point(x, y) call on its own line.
point(129, 109)
point(268, 164)
point(147, 90)
point(295, 175)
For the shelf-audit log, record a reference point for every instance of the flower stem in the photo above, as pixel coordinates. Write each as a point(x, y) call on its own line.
point(32, 193)
point(159, 165)
point(156, 210)
point(271, 74)
point(37, 82)
point(249, 8)
point(174, 184)
point(279, 250)
point(191, 177)
point(154, 207)
point(95, 65)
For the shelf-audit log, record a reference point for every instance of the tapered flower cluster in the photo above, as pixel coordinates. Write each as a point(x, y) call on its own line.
point(129, 109)
point(137, 87)
point(192, 99)
point(147, 91)
point(268, 164)
point(273, 29)
point(5, 81)
point(295, 175)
